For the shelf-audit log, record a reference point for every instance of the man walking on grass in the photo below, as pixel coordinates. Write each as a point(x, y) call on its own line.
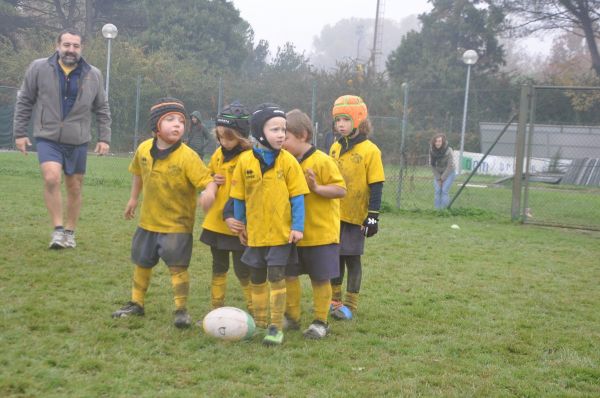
point(64, 91)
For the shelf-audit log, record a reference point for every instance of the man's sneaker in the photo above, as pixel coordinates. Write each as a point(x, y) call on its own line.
point(274, 336)
point(69, 240)
point(316, 330)
point(182, 319)
point(290, 324)
point(58, 239)
point(342, 313)
point(128, 309)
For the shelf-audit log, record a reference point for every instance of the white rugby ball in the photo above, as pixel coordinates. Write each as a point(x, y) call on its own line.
point(229, 323)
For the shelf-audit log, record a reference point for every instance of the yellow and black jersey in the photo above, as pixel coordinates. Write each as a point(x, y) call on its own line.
point(267, 196)
point(213, 220)
point(322, 215)
point(360, 166)
point(170, 188)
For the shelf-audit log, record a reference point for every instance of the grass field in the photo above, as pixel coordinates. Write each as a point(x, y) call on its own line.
point(491, 309)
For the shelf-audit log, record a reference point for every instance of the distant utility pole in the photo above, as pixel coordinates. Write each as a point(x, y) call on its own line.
point(377, 37)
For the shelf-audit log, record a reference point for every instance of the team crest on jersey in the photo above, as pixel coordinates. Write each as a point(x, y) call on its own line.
point(356, 158)
point(280, 175)
point(144, 160)
point(230, 169)
point(250, 174)
point(174, 170)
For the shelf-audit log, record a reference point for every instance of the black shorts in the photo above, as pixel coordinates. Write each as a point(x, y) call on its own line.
point(148, 247)
point(352, 240)
point(221, 241)
point(267, 256)
point(73, 158)
point(319, 262)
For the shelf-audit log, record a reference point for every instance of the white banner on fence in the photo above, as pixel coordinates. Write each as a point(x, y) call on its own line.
point(499, 165)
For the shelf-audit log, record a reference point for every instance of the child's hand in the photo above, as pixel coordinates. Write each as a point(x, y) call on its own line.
point(130, 209)
point(311, 180)
point(244, 237)
point(219, 179)
point(235, 226)
point(206, 199)
point(295, 236)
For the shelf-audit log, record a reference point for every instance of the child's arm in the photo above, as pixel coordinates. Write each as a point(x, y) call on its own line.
point(331, 191)
point(297, 232)
point(136, 188)
point(207, 197)
point(370, 225)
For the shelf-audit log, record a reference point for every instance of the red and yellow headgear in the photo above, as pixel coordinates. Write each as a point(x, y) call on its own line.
point(352, 107)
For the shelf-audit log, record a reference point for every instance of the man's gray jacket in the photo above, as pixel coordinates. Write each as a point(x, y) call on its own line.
point(40, 92)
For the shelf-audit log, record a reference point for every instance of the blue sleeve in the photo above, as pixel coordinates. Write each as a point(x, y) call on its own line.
point(239, 210)
point(228, 209)
point(297, 213)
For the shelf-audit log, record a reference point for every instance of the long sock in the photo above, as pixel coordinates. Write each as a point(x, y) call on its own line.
point(181, 288)
point(336, 292)
point(218, 287)
point(351, 301)
point(277, 302)
point(293, 295)
point(260, 303)
point(245, 284)
point(141, 281)
point(321, 300)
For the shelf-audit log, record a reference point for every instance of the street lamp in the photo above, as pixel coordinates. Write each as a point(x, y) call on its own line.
point(469, 57)
point(109, 31)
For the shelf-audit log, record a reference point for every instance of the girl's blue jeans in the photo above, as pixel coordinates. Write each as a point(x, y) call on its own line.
point(441, 193)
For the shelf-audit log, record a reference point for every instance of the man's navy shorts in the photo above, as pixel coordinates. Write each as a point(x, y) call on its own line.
point(73, 158)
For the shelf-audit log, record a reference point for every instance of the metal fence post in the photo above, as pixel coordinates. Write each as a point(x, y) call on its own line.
point(402, 135)
point(136, 129)
point(520, 150)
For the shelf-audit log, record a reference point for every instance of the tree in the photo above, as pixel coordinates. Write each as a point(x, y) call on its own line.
point(580, 17)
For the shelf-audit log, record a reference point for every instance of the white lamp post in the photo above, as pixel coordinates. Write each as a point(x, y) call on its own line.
point(109, 31)
point(469, 57)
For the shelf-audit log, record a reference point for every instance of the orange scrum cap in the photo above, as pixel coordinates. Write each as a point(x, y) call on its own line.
point(352, 107)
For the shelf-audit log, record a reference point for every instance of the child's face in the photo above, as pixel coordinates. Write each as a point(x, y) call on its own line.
point(438, 142)
point(228, 142)
point(294, 145)
point(171, 128)
point(343, 125)
point(274, 131)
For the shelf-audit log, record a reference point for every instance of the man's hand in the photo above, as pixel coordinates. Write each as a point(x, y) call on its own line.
point(102, 148)
point(22, 144)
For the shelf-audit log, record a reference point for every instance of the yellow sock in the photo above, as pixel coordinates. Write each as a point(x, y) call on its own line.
point(141, 281)
point(245, 284)
point(218, 286)
point(181, 287)
point(293, 295)
point(260, 303)
point(336, 292)
point(321, 300)
point(351, 301)
point(277, 302)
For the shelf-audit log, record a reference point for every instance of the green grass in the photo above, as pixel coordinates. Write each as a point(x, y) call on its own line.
point(491, 309)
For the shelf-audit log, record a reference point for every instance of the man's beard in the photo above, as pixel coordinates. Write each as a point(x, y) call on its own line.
point(69, 59)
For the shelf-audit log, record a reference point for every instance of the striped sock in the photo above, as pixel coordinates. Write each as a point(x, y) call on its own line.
point(336, 292)
point(351, 301)
point(181, 288)
point(141, 281)
point(293, 295)
point(218, 287)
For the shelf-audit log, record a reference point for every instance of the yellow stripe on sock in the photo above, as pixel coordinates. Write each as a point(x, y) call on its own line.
point(260, 303)
point(277, 302)
point(321, 300)
point(293, 296)
point(181, 288)
point(218, 287)
point(351, 301)
point(336, 292)
point(141, 281)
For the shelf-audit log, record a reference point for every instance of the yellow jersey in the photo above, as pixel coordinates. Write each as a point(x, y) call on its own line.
point(267, 196)
point(213, 220)
point(322, 219)
point(169, 188)
point(360, 166)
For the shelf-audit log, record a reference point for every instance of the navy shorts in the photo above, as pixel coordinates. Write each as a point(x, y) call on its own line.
point(148, 247)
point(352, 240)
point(73, 158)
point(319, 262)
point(260, 257)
